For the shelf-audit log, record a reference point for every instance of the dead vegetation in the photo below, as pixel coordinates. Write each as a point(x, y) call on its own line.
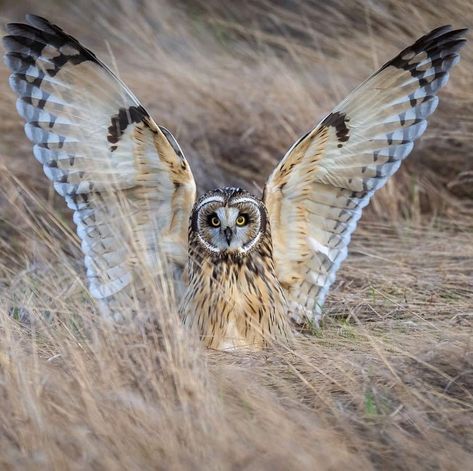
point(387, 382)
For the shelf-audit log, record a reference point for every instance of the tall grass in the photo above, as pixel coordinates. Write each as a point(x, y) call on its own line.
point(386, 383)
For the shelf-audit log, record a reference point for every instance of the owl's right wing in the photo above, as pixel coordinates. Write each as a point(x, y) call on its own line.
point(125, 177)
point(316, 194)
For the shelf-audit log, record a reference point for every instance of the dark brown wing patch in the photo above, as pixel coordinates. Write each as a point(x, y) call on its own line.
point(120, 121)
point(338, 120)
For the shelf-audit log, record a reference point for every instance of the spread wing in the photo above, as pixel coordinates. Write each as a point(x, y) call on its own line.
point(126, 178)
point(316, 194)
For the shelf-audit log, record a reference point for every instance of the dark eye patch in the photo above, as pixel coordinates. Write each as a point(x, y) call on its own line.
point(246, 216)
point(213, 220)
point(242, 219)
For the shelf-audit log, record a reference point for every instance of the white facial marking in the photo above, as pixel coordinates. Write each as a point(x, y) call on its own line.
point(211, 199)
point(243, 199)
point(250, 244)
point(227, 216)
point(207, 245)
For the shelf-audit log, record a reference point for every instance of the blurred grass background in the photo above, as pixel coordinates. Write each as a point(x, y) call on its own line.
point(387, 383)
point(238, 82)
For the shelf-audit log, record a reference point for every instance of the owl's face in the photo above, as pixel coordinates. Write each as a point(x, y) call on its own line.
point(229, 220)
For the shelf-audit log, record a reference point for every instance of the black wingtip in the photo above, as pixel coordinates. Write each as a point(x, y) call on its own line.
point(32, 17)
point(33, 20)
point(42, 24)
point(442, 38)
point(437, 35)
point(25, 42)
point(441, 30)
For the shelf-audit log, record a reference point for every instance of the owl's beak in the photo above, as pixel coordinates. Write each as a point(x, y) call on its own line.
point(228, 235)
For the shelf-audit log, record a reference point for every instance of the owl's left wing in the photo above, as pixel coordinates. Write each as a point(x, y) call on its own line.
point(316, 194)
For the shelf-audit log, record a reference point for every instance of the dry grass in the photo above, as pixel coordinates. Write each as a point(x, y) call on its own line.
point(386, 383)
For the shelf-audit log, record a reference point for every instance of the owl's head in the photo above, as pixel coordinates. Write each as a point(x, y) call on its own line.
point(229, 220)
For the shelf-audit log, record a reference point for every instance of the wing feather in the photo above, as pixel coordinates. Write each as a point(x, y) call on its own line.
point(125, 178)
point(316, 194)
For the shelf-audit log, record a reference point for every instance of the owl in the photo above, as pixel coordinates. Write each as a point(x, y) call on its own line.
point(244, 268)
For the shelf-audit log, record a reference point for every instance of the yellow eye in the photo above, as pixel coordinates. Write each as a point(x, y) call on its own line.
point(215, 221)
point(241, 220)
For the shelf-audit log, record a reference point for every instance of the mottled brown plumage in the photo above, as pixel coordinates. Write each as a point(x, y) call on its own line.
point(234, 299)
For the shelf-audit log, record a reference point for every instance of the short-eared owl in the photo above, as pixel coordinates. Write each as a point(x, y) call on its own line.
point(247, 264)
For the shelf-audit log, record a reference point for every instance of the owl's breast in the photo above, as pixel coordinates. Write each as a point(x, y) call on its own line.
point(235, 304)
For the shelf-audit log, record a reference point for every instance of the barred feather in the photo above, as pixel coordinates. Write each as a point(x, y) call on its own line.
point(316, 194)
point(126, 179)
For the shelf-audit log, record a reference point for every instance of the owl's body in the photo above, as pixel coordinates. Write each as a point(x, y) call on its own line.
point(236, 302)
point(251, 265)
point(234, 299)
